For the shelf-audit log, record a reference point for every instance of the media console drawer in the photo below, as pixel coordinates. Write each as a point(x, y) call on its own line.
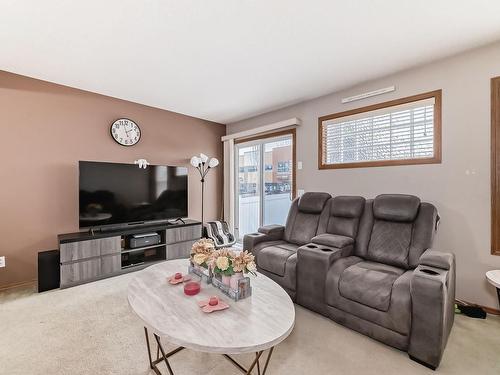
point(111, 245)
point(179, 250)
point(78, 272)
point(80, 250)
point(187, 233)
point(111, 264)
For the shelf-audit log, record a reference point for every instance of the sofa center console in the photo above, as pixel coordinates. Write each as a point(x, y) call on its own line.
point(313, 263)
point(89, 256)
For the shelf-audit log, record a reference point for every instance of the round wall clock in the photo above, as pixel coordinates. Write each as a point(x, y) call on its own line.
point(125, 132)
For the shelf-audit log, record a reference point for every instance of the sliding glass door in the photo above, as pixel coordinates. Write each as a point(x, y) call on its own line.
point(264, 181)
point(248, 192)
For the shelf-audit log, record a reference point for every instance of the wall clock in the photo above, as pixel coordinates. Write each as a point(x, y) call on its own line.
point(125, 132)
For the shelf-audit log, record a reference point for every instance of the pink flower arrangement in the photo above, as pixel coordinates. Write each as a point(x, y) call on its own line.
point(223, 261)
point(228, 262)
point(201, 252)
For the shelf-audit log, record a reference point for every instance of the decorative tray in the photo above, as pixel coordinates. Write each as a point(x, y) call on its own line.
point(204, 273)
point(244, 288)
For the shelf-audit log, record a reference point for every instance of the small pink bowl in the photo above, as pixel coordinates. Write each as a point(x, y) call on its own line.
point(192, 288)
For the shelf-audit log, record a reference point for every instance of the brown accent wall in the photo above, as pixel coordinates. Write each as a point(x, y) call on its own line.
point(46, 128)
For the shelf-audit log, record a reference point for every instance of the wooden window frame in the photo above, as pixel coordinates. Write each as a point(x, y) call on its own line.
point(436, 159)
point(293, 133)
point(495, 166)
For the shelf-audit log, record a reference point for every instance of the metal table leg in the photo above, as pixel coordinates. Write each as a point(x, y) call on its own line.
point(164, 357)
point(256, 362)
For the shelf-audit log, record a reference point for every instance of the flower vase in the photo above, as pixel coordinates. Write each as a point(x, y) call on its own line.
point(234, 280)
point(226, 280)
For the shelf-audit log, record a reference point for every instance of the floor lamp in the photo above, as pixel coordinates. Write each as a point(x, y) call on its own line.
point(203, 165)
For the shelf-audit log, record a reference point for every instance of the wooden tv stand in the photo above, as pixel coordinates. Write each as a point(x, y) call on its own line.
point(87, 256)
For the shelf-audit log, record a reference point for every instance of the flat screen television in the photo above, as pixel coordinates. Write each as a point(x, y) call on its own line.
point(115, 194)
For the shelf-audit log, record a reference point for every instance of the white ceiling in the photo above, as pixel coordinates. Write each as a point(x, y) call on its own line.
point(226, 60)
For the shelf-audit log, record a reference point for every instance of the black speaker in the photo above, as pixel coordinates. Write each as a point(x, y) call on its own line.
point(49, 266)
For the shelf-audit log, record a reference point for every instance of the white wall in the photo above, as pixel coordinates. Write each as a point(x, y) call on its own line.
point(459, 186)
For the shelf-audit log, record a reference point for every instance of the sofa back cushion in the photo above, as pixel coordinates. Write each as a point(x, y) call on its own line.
point(303, 217)
point(390, 243)
point(342, 215)
point(396, 207)
point(312, 203)
point(396, 229)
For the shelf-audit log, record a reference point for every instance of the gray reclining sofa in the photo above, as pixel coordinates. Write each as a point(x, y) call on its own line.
point(366, 264)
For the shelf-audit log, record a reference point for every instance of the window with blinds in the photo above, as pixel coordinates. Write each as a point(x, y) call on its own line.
point(404, 131)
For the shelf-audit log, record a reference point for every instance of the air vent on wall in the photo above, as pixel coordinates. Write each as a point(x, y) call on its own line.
point(368, 94)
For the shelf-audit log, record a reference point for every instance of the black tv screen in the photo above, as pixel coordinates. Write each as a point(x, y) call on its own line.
point(114, 193)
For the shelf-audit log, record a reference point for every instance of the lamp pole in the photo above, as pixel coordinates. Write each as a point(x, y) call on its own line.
point(200, 163)
point(202, 199)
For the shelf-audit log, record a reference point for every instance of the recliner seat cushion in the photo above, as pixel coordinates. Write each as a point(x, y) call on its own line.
point(369, 283)
point(398, 316)
point(287, 279)
point(274, 258)
point(288, 246)
point(261, 245)
point(287, 282)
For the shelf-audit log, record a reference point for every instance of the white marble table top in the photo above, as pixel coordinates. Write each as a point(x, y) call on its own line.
point(249, 325)
point(494, 277)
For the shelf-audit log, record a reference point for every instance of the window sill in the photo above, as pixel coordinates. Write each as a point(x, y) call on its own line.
point(381, 163)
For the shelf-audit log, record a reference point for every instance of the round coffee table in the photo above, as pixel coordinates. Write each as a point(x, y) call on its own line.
point(254, 324)
point(493, 278)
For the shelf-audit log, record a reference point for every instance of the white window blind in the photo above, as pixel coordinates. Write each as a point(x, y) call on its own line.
point(399, 132)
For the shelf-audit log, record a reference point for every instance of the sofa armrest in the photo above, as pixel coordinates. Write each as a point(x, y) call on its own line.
point(432, 289)
point(437, 259)
point(264, 234)
point(273, 229)
point(332, 240)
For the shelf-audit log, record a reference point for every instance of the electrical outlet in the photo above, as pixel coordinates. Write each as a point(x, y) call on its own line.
point(2, 262)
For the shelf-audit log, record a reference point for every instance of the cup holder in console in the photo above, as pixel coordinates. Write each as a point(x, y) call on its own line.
point(311, 246)
point(325, 249)
point(429, 272)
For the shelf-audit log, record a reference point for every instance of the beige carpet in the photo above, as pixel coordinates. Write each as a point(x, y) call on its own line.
point(90, 330)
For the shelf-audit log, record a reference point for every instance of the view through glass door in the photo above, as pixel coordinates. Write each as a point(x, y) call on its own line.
point(264, 182)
